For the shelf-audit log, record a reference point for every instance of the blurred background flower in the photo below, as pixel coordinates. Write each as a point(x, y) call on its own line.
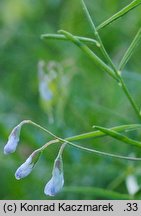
point(54, 83)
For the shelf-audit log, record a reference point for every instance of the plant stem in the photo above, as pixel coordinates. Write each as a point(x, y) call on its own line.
point(132, 101)
point(92, 134)
point(89, 53)
point(67, 141)
point(102, 48)
point(44, 129)
point(62, 149)
point(103, 153)
point(47, 144)
point(107, 57)
point(102, 65)
point(130, 50)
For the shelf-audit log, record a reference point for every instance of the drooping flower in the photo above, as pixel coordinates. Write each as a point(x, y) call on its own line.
point(56, 183)
point(13, 140)
point(26, 168)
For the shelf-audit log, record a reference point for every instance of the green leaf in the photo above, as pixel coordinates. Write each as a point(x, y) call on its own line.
point(62, 37)
point(119, 136)
point(130, 50)
point(119, 14)
point(95, 134)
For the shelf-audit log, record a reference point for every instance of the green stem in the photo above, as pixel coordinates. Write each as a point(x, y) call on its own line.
point(89, 53)
point(119, 14)
point(103, 153)
point(132, 101)
point(62, 37)
point(47, 144)
point(42, 128)
point(93, 134)
point(103, 50)
point(130, 50)
point(62, 149)
point(101, 64)
point(67, 141)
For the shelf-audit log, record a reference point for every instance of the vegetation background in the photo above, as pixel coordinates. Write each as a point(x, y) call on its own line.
point(93, 98)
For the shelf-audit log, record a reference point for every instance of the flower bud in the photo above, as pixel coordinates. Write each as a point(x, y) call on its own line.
point(13, 140)
point(26, 168)
point(57, 181)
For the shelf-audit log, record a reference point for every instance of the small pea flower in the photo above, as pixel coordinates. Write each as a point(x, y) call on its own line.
point(26, 168)
point(13, 140)
point(57, 181)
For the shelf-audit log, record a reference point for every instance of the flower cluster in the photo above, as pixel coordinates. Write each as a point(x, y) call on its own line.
point(56, 182)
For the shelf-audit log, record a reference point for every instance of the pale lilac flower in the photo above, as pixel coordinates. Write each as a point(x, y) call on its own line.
point(26, 168)
point(44, 82)
point(44, 90)
point(57, 181)
point(13, 140)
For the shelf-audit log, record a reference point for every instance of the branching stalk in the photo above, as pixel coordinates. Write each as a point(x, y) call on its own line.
point(107, 57)
point(89, 53)
point(68, 141)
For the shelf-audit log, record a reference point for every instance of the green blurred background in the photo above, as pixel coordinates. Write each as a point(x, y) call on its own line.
point(92, 97)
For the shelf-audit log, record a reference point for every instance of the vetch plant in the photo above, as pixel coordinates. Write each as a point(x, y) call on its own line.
point(55, 184)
